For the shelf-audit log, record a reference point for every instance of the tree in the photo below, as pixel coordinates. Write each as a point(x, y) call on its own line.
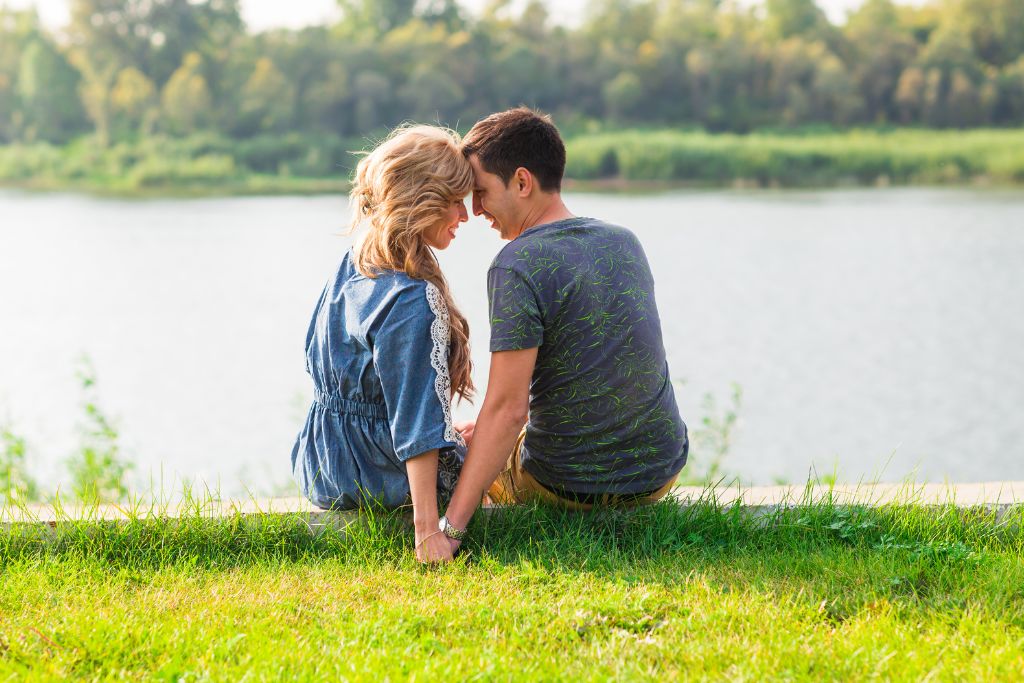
point(133, 101)
point(186, 98)
point(327, 102)
point(949, 65)
point(376, 17)
point(789, 18)
point(624, 96)
point(882, 49)
point(995, 28)
point(10, 114)
point(46, 87)
point(371, 90)
point(910, 94)
point(963, 102)
point(835, 98)
point(1009, 106)
point(431, 95)
point(17, 30)
point(268, 99)
point(153, 36)
point(94, 92)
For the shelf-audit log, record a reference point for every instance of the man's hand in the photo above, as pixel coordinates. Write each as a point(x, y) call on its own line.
point(466, 429)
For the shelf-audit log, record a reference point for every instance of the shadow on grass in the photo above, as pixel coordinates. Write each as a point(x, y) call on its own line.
point(841, 560)
point(604, 540)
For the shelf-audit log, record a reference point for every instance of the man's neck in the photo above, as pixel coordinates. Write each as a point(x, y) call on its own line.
point(547, 212)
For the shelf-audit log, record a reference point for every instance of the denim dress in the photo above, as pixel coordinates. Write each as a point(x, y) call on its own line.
point(377, 350)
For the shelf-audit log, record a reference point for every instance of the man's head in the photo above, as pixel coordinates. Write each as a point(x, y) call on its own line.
point(518, 159)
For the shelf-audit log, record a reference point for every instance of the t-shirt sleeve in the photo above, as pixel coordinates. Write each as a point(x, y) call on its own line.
point(410, 354)
point(516, 321)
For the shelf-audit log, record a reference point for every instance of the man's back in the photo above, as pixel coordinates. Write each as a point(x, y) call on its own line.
point(603, 416)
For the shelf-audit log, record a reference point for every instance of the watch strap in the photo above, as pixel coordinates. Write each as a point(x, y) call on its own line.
point(449, 530)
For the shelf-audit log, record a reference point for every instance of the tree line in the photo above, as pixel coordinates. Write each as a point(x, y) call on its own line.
point(128, 69)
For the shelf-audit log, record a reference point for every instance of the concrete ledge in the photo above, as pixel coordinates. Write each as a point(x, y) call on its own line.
point(999, 496)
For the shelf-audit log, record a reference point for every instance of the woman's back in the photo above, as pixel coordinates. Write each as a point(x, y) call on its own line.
point(376, 350)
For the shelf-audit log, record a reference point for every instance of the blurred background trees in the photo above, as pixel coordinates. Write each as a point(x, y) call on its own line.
point(123, 69)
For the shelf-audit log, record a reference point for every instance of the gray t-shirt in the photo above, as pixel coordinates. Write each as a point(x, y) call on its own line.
point(603, 416)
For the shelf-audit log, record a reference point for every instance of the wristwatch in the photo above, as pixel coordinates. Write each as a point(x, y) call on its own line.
point(450, 531)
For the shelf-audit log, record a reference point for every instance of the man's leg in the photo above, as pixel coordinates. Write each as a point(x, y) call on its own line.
point(515, 485)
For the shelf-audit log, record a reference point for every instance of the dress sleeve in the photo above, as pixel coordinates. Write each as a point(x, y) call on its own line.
point(516, 321)
point(410, 354)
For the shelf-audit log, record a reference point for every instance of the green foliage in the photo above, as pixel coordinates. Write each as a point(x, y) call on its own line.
point(865, 156)
point(180, 68)
point(711, 442)
point(16, 484)
point(186, 97)
point(288, 104)
point(47, 86)
point(208, 162)
point(98, 469)
point(133, 100)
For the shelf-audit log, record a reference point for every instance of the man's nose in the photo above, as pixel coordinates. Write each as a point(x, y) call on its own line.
point(478, 208)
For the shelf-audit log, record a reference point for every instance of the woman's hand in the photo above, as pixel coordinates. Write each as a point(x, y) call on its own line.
point(433, 547)
point(466, 429)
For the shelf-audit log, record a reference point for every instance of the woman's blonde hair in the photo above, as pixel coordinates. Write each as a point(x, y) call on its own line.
point(403, 188)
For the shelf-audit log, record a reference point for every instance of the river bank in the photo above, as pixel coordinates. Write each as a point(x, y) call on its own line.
point(603, 161)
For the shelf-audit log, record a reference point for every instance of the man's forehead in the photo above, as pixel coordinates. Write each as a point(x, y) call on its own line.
point(481, 175)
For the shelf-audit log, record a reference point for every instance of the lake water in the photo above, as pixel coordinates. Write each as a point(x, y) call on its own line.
point(879, 332)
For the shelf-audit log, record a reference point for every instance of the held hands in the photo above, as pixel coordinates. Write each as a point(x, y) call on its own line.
point(466, 429)
point(433, 547)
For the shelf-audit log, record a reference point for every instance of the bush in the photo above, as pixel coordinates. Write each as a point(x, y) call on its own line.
point(171, 172)
point(814, 158)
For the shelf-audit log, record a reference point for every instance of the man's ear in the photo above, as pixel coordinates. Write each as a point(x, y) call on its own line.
point(523, 182)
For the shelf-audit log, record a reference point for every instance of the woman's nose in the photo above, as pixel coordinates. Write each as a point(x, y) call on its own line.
point(463, 214)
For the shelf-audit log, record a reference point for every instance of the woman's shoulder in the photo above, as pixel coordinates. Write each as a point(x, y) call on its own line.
point(389, 291)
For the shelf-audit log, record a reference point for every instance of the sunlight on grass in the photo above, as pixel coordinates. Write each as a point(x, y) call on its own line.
point(813, 589)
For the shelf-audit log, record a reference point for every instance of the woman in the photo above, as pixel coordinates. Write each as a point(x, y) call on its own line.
point(387, 348)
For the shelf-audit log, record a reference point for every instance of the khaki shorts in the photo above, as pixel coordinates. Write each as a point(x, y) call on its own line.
point(515, 485)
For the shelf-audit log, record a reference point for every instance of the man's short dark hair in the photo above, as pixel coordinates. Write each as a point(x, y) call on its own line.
point(515, 138)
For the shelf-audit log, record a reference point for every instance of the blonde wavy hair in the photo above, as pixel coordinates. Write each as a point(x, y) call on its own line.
point(404, 187)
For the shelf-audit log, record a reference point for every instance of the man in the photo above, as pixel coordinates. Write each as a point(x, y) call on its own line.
point(577, 352)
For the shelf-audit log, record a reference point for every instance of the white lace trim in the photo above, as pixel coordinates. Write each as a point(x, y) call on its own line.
point(440, 333)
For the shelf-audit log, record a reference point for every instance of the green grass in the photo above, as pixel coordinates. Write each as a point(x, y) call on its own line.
point(864, 157)
point(811, 592)
point(200, 165)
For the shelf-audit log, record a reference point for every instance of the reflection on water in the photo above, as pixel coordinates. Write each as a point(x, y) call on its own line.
point(867, 328)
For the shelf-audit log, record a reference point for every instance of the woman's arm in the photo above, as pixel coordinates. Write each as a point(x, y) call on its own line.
point(431, 545)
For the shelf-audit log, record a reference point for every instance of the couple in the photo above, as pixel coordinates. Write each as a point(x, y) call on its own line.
point(576, 348)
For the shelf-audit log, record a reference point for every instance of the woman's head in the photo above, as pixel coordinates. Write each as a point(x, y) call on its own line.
point(410, 190)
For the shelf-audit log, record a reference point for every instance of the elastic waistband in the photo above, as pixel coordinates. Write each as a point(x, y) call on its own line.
point(344, 405)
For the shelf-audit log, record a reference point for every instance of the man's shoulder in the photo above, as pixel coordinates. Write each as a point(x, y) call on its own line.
point(554, 237)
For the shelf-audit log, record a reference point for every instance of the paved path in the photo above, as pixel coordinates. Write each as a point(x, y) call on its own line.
point(1000, 495)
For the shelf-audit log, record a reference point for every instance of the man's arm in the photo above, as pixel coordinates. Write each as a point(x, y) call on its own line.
point(504, 412)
